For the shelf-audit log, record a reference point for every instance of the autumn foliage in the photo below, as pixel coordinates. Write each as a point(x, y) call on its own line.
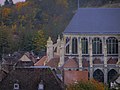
point(87, 85)
point(20, 5)
point(6, 12)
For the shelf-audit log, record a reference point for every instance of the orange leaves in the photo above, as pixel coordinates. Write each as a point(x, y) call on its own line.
point(6, 12)
point(20, 5)
point(97, 85)
point(89, 85)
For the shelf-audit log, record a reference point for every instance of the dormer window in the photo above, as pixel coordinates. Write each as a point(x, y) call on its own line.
point(16, 86)
point(41, 86)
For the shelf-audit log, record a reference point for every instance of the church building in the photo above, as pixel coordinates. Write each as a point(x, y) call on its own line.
point(92, 42)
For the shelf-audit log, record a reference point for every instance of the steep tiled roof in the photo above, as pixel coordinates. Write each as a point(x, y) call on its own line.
point(31, 56)
point(71, 63)
point(29, 78)
point(41, 61)
point(95, 21)
point(54, 62)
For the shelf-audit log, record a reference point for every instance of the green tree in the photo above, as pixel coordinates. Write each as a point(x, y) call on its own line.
point(39, 41)
point(5, 40)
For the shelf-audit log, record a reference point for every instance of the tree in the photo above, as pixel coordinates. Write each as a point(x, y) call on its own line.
point(39, 41)
point(87, 85)
point(5, 40)
point(6, 12)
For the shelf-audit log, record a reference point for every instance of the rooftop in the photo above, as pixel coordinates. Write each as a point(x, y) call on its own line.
point(29, 78)
point(95, 21)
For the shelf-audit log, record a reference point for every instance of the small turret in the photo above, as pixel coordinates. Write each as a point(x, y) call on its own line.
point(50, 48)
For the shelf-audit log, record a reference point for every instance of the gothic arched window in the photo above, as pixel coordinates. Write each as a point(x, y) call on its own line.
point(97, 46)
point(98, 75)
point(67, 46)
point(84, 43)
point(112, 45)
point(74, 46)
point(111, 75)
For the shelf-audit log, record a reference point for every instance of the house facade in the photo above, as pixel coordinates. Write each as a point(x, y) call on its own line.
point(92, 39)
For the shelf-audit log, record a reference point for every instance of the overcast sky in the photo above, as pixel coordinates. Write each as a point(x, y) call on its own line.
point(2, 1)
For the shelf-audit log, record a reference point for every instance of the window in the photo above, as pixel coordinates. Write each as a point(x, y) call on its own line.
point(97, 46)
point(67, 47)
point(74, 46)
point(112, 45)
point(98, 75)
point(41, 85)
point(16, 86)
point(84, 43)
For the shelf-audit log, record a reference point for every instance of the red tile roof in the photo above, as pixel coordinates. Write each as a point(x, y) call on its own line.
point(41, 61)
point(71, 63)
point(54, 62)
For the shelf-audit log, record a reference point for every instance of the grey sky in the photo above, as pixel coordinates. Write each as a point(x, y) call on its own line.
point(2, 1)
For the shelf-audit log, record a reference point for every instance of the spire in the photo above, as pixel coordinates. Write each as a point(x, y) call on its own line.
point(62, 40)
point(78, 4)
point(6, 2)
point(49, 40)
point(11, 2)
point(58, 38)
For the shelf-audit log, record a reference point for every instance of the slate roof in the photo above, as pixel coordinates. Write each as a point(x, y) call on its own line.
point(95, 21)
point(29, 78)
